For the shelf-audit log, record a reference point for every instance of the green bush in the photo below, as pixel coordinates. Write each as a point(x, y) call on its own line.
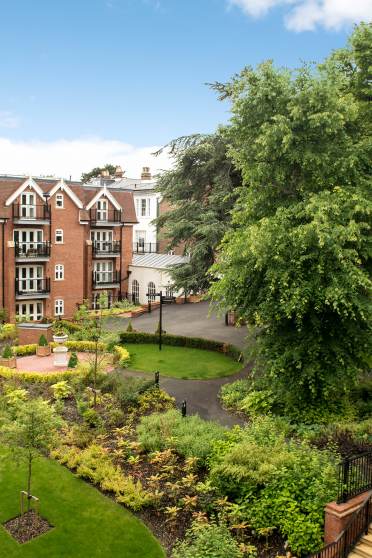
point(73, 360)
point(125, 390)
point(181, 341)
point(361, 397)
point(61, 390)
point(42, 341)
point(232, 394)
point(189, 436)
point(130, 327)
point(208, 540)
point(7, 352)
point(277, 483)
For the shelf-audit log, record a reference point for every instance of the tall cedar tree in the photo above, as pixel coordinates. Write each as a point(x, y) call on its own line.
point(297, 261)
point(201, 190)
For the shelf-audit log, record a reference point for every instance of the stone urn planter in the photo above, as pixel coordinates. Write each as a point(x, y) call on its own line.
point(60, 351)
point(8, 362)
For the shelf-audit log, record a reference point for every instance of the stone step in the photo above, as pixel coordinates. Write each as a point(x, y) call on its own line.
point(367, 539)
point(363, 550)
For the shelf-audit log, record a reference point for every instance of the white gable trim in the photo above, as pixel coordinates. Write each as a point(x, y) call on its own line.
point(61, 185)
point(104, 193)
point(30, 182)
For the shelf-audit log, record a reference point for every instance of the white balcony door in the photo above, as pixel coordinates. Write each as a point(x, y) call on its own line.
point(29, 278)
point(28, 205)
point(31, 310)
point(102, 210)
point(104, 272)
point(28, 239)
point(102, 240)
point(140, 238)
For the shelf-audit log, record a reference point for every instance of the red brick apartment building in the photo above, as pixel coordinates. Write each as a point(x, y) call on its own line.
point(61, 242)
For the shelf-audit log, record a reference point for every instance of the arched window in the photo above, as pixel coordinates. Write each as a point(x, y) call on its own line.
point(151, 290)
point(135, 291)
point(169, 291)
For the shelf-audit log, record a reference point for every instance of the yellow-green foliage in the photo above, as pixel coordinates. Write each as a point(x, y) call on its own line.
point(122, 356)
point(23, 350)
point(95, 464)
point(61, 390)
point(8, 331)
point(33, 377)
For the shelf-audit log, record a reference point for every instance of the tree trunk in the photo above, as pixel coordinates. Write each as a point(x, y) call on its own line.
point(29, 481)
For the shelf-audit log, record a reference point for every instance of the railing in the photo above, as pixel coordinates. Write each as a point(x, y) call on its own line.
point(106, 277)
point(105, 216)
point(355, 476)
point(353, 532)
point(32, 286)
point(111, 301)
point(32, 249)
point(146, 247)
point(31, 212)
point(101, 248)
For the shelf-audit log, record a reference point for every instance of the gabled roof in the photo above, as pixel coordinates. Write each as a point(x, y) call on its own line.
point(104, 193)
point(29, 183)
point(61, 185)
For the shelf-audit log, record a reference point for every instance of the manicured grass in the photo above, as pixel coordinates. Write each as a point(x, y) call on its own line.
point(181, 362)
point(86, 523)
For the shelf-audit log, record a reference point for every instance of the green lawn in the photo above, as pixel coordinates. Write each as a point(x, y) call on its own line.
point(86, 523)
point(181, 362)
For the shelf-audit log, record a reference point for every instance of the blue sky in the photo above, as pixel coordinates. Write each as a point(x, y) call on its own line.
point(131, 73)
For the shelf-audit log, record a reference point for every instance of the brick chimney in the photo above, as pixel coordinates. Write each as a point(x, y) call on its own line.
point(119, 172)
point(145, 174)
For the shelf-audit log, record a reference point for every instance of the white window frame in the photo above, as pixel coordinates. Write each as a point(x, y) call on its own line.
point(151, 289)
point(59, 307)
point(104, 271)
point(58, 232)
point(59, 198)
point(135, 291)
point(59, 272)
point(37, 310)
point(102, 210)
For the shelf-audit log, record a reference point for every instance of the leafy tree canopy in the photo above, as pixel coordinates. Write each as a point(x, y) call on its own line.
point(201, 190)
point(297, 261)
point(94, 173)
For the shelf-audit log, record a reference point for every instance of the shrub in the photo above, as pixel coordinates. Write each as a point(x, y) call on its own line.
point(61, 390)
point(207, 540)
point(125, 390)
point(232, 394)
point(122, 356)
point(130, 327)
point(8, 331)
point(42, 341)
point(277, 483)
point(189, 436)
point(7, 352)
point(73, 360)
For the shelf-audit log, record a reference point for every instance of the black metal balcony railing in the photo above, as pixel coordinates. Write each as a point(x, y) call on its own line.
point(32, 249)
point(105, 216)
point(32, 286)
point(355, 476)
point(353, 532)
point(146, 247)
point(30, 212)
point(106, 277)
point(103, 248)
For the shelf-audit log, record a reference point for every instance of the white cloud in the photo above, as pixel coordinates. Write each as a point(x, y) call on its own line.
point(8, 119)
point(306, 15)
point(63, 158)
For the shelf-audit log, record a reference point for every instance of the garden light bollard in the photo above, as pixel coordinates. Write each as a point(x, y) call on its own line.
point(184, 408)
point(157, 374)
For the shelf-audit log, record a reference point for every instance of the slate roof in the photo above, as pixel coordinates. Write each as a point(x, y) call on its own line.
point(158, 261)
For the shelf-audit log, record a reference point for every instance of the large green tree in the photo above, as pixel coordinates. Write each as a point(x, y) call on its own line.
point(201, 191)
point(297, 261)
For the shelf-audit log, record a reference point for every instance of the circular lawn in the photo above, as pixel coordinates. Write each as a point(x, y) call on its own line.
point(181, 362)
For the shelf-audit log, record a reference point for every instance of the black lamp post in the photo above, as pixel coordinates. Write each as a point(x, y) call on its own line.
point(160, 295)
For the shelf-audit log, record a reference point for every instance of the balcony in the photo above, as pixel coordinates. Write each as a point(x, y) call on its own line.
point(27, 214)
point(106, 249)
point(145, 247)
point(32, 251)
point(105, 218)
point(32, 288)
point(106, 279)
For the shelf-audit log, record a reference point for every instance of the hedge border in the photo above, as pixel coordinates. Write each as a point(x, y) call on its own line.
point(183, 341)
point(35, 377)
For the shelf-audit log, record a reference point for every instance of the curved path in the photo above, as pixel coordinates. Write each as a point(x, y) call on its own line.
point(192, 320)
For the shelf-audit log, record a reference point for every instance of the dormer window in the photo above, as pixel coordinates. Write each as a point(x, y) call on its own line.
point(59, 201)
point(102, 210)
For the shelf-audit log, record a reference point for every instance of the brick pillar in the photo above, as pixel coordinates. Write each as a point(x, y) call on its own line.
point(338, 515)
point(89, 270)
point(10, 281)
